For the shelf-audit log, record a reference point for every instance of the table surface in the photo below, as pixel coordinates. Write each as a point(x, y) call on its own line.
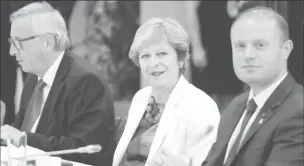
point(30, 151)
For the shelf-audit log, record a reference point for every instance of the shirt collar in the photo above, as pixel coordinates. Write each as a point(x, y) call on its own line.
point(262, 97)
point(50, 74)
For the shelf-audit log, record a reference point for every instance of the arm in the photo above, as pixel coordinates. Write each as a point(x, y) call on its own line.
point(202, 133)
point(288, 142)
point(90, 121)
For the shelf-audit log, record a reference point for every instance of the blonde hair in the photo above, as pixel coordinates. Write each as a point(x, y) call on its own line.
point(45, 19)
point(175, 33)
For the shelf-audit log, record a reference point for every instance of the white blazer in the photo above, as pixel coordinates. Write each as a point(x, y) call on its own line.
point(187, 128)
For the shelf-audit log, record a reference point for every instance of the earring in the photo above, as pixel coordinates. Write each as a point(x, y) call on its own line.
point(180, 65)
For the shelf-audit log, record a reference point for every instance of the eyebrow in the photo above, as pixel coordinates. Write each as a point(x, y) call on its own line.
point(251, 41)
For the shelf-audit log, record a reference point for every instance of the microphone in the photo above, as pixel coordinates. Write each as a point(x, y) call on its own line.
point(87, 149)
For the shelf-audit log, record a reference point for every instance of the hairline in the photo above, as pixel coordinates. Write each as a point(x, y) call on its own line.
point(262, 13)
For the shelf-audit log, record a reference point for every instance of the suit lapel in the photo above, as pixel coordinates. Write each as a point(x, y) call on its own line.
point(267, 111)
point(136, 113)
point(26, 96)
point(169, 116)
point(53, 95)
point(233, 117)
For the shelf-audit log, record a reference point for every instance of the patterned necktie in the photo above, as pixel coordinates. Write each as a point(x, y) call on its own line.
point(34, 108)
point(251, 107)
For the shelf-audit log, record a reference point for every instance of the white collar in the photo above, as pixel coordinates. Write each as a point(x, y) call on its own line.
point(50, 74)
point(262, 97)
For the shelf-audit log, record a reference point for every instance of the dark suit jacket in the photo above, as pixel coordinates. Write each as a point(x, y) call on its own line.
point(277, 141)
point(78, 111)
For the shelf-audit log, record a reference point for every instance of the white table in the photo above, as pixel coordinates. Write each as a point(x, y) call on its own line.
point(30, 150)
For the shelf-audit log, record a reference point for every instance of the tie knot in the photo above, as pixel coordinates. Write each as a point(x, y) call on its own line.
point(251, 106)
point(41, 84)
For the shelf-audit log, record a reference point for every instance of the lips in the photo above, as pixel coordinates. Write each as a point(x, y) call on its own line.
point(250, 66)
point(157, 73)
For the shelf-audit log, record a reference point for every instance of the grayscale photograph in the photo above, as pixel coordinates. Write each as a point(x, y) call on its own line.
point(152, 83)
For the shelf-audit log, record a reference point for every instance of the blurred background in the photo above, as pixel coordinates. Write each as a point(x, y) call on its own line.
point(102, 32)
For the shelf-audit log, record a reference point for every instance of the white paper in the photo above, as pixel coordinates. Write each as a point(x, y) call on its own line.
point(18, 152)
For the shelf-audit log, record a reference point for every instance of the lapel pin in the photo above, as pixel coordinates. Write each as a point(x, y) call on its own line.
point(262, 119)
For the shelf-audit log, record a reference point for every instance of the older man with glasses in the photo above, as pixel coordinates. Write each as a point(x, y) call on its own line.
point(65, 103)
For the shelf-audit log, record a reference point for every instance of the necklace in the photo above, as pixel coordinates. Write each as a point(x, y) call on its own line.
point(154, 109)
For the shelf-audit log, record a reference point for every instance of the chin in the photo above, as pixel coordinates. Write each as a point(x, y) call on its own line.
point(24, 69)
point(251, 79)
point(157, 83)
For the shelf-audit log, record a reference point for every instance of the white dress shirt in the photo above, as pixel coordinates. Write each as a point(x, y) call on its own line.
point(260, 100)
point(48, 78)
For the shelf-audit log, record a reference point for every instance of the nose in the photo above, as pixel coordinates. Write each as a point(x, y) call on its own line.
point(13, 51)
point(154, 61)
point(249, 52)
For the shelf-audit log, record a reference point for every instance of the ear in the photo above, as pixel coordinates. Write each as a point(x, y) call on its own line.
point(287, 47)
point(50, 42)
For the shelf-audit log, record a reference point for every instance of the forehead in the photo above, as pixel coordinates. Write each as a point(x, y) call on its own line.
point(254, 29)
point(154, 39)
point(21, 27)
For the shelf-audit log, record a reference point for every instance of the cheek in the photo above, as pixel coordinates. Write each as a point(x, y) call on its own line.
point(143, 68)
point(237, 60)
point(173, 69)
point(269, 59)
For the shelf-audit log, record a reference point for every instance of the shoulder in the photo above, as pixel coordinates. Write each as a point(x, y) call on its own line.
point(296, 96)
point(80, 66)
point(292, 106)
point(199, 104)
point(142, 93)
point(82, 70)
point(197, 97)
point(140, 96)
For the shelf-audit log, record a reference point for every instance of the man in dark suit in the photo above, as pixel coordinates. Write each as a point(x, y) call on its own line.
point(265, 125)
point(65, 103)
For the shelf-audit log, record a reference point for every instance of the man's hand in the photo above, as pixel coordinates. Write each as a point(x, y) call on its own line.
point(11, 132)
point(199, 57)
point(3, 110)
point(164, 158)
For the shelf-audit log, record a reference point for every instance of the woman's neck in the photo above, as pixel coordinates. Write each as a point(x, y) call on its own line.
point(161, 93)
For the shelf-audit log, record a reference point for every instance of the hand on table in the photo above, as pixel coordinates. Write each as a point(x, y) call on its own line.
point(13, 133)
point(165, 158)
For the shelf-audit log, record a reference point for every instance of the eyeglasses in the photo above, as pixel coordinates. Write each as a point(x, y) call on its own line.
point(16, 42)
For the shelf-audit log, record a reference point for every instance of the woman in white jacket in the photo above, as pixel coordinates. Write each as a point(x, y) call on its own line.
point(170, 114)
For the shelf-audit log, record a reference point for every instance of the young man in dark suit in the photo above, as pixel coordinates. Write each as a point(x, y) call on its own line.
point(265, 125)
point(65, 103)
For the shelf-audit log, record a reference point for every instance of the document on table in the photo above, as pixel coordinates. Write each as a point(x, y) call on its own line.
point(19, 152)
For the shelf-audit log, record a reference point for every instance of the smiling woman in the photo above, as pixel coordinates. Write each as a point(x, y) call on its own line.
point(161, 49)
point(170, 114)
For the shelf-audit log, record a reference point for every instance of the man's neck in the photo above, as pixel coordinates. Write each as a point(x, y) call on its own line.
point(50, 58)
point(258, 88)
